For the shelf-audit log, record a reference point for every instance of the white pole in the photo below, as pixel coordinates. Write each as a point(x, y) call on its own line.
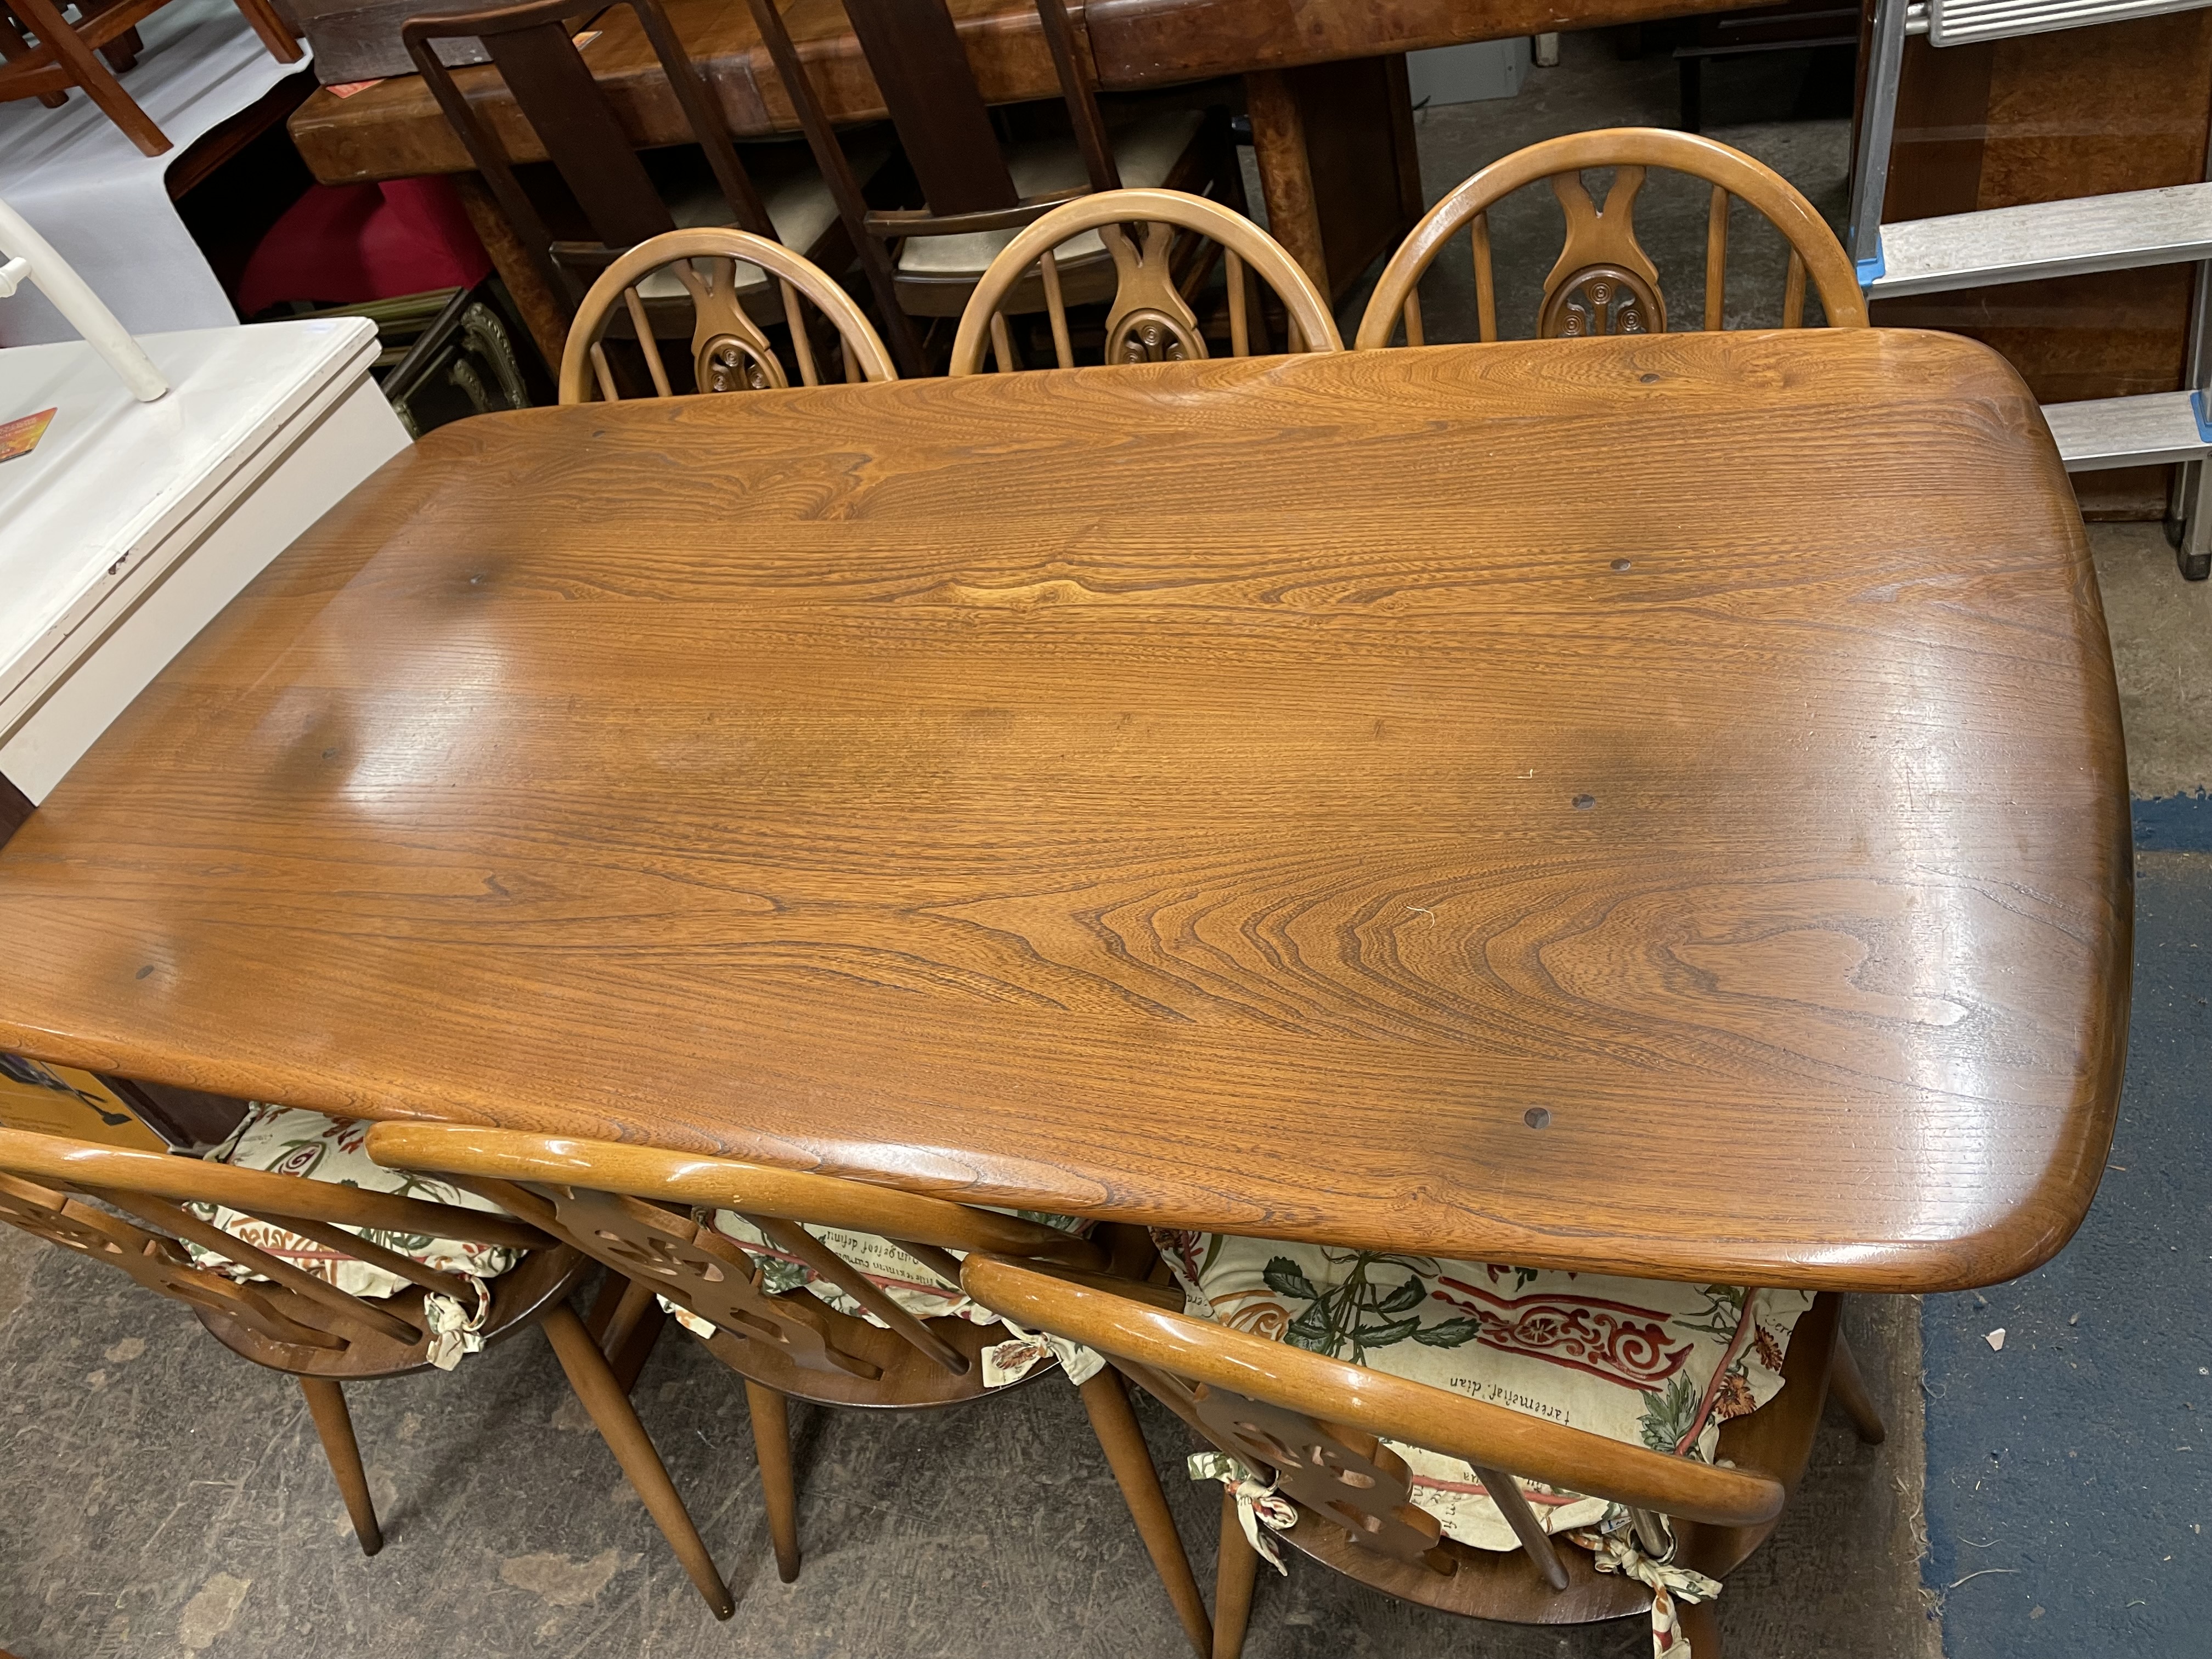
point(76, 301)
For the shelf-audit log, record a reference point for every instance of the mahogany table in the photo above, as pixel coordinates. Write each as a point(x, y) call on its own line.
point(1649, 804)
point(1324, 80)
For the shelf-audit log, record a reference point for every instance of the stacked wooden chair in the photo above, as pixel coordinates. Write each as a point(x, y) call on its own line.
point(1604, 283)
point(296, 1252)
point(609, 197)
point(811, 1287)
point(1163, 245)
point(979, 187)
point(1431, 1428)
point(46, 54)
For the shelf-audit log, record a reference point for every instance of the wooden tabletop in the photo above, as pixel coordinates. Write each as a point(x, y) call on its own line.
point(1654, 804)
point(395, 130)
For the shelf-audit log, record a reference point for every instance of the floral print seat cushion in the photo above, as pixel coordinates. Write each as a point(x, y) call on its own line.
point(915, 1289)
point(293, 1141)
point(1650, 1363)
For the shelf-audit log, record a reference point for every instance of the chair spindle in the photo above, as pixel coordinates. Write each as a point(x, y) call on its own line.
point(1793, 292)
point(1063, 350)
point(1505, 1492)
point(1716, 260)
point(650, 346)
point(1485, 280)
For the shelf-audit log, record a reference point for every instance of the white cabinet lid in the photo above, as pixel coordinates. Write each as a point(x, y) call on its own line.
point(94, 508)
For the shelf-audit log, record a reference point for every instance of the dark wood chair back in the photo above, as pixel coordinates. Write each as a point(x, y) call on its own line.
point(1314, 1426)
point(913, 52)
point(532, 46)
point(1603, 281)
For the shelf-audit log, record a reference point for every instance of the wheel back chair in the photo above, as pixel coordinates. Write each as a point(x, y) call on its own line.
point(1157, 272)
point(1439, 1460)
point(1604, 283)
point(729, 351)
point(978, 190)
point(619, 199)
point(294, 1265)
point(814, 1287)
point(68, 54)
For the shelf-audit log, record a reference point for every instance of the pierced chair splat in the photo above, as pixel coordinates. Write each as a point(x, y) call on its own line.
point(729, 350)
point(1603, 281)
point(831, 1291)
point(1160, 240)
point(1655, 1428)
point(297, 1252)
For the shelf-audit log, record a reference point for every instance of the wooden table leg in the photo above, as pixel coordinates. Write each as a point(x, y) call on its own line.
point(1279, 145)
point(1339, 164)
point(547, 319)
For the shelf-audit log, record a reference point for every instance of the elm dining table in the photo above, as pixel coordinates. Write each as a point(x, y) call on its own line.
point(1653, 803)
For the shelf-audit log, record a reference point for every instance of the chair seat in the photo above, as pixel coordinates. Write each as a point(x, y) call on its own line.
point(791, 188)
point(1145, 152)
point(293, 1141)
point(1643, 1361)
point(914, 1288)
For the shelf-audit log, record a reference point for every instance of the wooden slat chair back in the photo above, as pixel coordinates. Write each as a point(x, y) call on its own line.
point(649, 1215)
point(532, 46)
point(66, 55)
point(1603, 283)
point(292, 1320)
point(946, 128)
point(1152, 318)
point(730, 352)
point(1313, 1426)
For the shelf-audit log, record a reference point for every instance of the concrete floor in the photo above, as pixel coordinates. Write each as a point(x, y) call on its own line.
point(159, 1496)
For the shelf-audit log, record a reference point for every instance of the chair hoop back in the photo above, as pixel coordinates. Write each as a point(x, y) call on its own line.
point(727, 343)
point(1814, 247)
point(1147, 299)
point(1251, 1368)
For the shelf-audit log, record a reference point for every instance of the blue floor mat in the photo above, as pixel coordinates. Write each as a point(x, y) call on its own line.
point(2069, 1475)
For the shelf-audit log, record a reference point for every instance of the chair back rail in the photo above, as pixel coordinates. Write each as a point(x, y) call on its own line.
point(729, 350)
point(77, 1165)
point(944, 127)
point(1259, 1399)
point(689, 1179)
point(1150, 319)
point(532, 46)
point(1603, 281)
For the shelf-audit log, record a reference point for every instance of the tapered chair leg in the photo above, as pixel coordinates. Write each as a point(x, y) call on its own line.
point(1848, 1389)
point(1701, 1628)
point(1233, 1574)
point(611, 1411)
point(334, 1425)
point(771, 1415)
point(1123, 1443)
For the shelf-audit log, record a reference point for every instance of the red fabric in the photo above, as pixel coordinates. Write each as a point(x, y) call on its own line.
point(343, 244)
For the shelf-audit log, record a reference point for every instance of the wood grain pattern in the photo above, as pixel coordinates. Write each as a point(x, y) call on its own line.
point(1248, 793)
